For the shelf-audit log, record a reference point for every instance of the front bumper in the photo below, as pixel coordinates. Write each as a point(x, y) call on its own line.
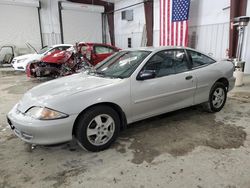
point(41, 132)
point(18, 67)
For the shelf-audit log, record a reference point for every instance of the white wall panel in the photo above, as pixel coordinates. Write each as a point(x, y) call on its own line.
point(212, 38)
point(81, 26)
point(50, 39)
point(210, 20)
point(122, 39)
point(50, 22)
point(125, 29)
point(206, 12)
point(82, 23)
point(26, 3)
point(19, 24)
point(156, 23)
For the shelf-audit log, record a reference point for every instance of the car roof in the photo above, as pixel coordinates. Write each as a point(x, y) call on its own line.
point(151, 48)
point(57, 45)
point(93, 43)
point(156, 49)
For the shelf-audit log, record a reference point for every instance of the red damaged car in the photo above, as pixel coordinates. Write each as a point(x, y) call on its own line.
point(61, 63)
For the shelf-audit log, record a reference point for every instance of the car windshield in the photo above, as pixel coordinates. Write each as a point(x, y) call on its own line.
point(44, 50)
point(121, 64)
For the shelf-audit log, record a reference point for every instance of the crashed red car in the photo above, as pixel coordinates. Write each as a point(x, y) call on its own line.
point(61, 63)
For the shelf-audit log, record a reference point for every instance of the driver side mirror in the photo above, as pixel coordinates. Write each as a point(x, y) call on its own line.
point(146, 74)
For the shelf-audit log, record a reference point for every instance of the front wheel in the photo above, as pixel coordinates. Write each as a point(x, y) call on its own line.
point(97, 128)
point(217, 98)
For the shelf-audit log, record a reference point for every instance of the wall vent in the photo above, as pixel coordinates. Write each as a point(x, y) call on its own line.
point(128, 15)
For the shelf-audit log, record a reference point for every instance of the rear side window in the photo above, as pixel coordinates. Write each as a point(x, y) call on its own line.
point(62, 48)
point(84, 49)
point(103, 50)
point(168, 62)
point(198, 59)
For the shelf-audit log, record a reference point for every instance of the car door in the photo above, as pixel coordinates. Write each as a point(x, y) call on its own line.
point(203, 68)
point(101, 52)
point(172, 88)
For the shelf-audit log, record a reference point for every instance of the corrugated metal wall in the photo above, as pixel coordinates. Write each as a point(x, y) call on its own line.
point(122, 39)
point(50, 39)
point(213, 38)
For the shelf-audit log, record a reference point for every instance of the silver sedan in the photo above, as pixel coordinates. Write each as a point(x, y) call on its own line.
point(94, 105)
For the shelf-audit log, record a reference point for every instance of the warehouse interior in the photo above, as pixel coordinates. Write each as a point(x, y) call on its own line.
point(46, 44)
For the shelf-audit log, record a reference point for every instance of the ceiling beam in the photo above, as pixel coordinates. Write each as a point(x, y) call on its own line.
point(107, 5)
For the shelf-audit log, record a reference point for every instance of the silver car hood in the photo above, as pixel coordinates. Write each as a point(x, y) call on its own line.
point(45, 93)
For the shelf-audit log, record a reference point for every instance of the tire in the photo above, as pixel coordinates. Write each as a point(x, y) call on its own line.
point(97, 128)
point(216, 104)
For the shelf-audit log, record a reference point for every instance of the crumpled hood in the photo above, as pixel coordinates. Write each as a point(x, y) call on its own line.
point(42, 94)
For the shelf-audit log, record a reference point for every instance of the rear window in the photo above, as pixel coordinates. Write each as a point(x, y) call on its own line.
point(198, 59)
point(103, 50)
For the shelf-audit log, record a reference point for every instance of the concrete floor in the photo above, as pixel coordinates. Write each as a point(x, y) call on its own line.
point(186, 148)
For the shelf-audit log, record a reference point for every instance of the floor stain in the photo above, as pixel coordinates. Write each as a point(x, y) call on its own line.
point(10, 137)
point(120, 147)
point(60, 178)
point(178, 133)
point(244, 95)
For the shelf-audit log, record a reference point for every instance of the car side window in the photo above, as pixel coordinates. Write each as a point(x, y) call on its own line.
point(51, 51)
point(84, 49)
point(198, 59)
point(167, 62)
point(103, 50)
point(62, 48)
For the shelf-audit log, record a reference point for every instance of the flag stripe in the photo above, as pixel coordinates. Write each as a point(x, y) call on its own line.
point(181, 34)
point(177, 35)
point(160, 23)
point(164, 19)
point(186, 33)
point(169, 23)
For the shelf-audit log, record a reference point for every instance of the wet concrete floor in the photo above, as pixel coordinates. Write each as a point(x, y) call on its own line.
point(185, 148)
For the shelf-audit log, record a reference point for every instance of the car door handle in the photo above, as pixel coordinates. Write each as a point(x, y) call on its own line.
point(189, 77)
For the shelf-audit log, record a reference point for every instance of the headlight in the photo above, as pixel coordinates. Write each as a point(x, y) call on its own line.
point(21, 60)
point(44, 113)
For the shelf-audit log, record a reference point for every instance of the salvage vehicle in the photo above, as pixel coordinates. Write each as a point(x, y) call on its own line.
point(62, 63)
point(20, 63)
point(131, 85)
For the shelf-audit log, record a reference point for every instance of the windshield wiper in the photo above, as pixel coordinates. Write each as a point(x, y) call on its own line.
point(102, 74)
point(94, 71)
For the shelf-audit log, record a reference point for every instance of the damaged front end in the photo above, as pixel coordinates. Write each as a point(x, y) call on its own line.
point(43, 69)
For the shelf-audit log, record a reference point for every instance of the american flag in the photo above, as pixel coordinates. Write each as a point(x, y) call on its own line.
point(174, 22)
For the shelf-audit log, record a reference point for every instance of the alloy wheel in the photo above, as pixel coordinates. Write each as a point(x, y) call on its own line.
point(218, 97)
point(100, 129)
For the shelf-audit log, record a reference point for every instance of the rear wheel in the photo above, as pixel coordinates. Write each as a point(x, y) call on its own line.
point(217, 98)
point(98, 128)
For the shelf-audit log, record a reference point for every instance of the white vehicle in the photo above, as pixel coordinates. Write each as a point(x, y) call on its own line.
point(20, 63)
point(129, 86)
